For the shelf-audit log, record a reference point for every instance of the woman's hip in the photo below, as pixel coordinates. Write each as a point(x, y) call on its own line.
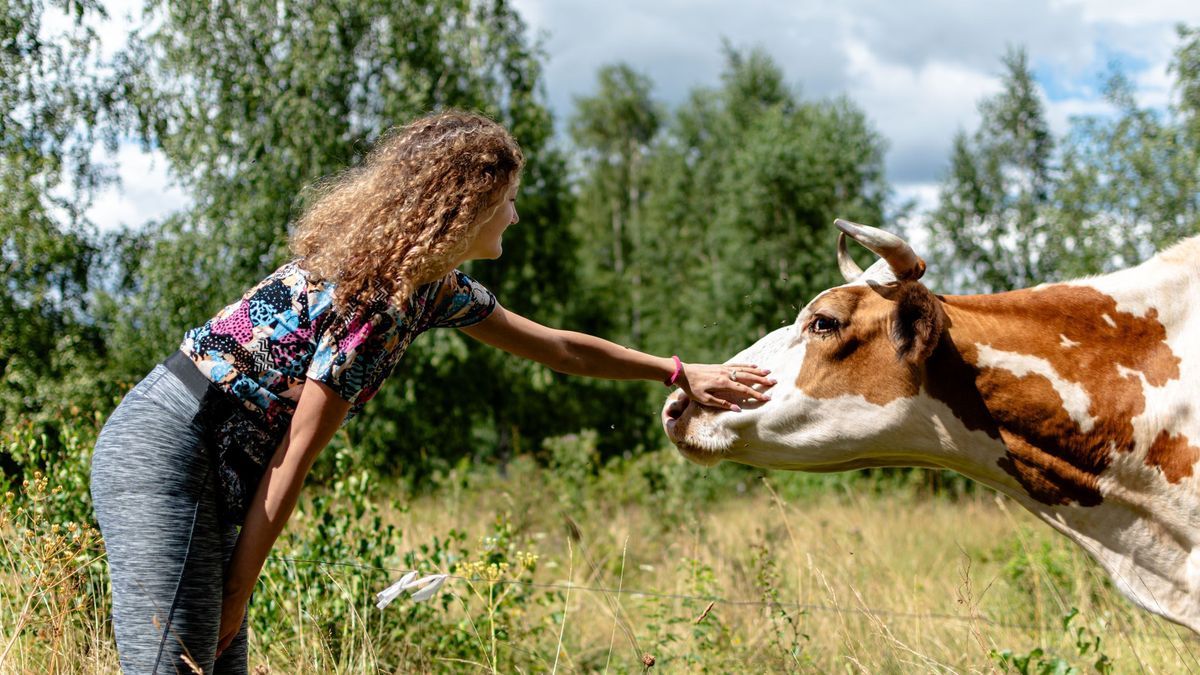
point(150, 445)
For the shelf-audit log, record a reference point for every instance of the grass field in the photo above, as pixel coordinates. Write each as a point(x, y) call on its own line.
point(803, 574)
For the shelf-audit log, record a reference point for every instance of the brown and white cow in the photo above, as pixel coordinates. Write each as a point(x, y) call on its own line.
point(1076, 399)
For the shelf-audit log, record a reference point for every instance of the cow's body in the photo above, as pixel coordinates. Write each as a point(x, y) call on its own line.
point(1076, 399)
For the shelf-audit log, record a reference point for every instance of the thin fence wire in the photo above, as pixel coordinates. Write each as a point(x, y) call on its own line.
point(719, 600)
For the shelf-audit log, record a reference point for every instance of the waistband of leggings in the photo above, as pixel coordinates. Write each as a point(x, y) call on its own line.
point(182, 366)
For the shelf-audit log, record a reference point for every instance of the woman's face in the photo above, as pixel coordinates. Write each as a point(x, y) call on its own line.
point(489, 229)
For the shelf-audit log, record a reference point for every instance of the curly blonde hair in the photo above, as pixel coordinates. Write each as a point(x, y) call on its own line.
point(405, 215)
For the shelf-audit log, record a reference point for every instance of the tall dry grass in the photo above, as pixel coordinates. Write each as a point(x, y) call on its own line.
point(868, 584)
point(736, 578)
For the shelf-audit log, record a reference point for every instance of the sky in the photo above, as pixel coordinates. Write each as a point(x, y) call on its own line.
point(918, 69)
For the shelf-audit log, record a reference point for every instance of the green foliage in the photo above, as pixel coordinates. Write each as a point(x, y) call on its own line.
point(787, 635)
point(63, 461)
point(703, 229)
point(675, 488)
point(1014, 212)
point(614, 131)
point(51, 116)
point(1036, 571)
point(58, 561)
point(747, 180)
point(1131, 182)
point(990, 228)
point(573, 461)
point(688, 633)
point(1039, 661)
point(478, 618)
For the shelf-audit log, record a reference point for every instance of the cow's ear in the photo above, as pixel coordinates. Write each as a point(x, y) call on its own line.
point(917, 322)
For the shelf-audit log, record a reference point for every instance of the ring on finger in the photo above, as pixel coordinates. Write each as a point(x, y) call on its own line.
point(733, 375)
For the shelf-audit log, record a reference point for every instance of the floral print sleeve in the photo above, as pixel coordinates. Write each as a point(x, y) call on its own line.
point(353, 349)
point(462, 302)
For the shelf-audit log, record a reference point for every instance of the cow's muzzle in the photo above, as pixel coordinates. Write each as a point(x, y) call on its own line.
point(675, 407)
point(672, 415)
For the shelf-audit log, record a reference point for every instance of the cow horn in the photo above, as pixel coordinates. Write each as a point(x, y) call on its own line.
point(905, 263)
point(850, 269)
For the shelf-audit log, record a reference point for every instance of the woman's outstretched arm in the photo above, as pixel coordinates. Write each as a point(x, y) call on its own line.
point(581, 354)
point(318, 415)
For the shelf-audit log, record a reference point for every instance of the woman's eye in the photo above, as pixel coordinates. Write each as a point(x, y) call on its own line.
point(824, 324)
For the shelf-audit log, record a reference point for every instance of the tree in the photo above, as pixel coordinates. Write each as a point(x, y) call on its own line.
point(251, 101)
point(614, 131)
point(1131, 181)
point(52, 115)
point(746, 189)
point(991, 224)
point(711, 227)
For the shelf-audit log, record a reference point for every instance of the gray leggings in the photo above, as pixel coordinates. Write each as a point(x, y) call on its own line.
point(156, 501)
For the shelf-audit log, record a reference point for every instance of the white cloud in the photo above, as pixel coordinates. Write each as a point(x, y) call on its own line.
point(113, 32)
point(918, 69)
point(145, 191)
point(917, 108)
point(924, 195)
point(1060, 113)
point(973, 35)
point(1136, 13)
point(1153, 87)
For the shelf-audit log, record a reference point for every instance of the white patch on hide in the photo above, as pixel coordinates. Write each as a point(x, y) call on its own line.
point(1075, 399)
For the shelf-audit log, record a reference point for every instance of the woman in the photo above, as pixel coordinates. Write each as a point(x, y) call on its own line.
point(224, 431)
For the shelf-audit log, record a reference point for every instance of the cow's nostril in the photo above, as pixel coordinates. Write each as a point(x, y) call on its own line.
point(676, 407)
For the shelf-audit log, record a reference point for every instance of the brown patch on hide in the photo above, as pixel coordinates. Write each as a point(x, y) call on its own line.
point(951, 380)
point(1052, 457)
point(892, 341)
point(1173, 455)
point(1048, 479)
point(865, 356)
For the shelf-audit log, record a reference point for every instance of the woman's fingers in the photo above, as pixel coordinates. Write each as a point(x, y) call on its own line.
point(746, 376)
point(741, 393)
point(750, 392)
point(717, 402)
point(747, 373)
point(751, 380)
point(728, 398)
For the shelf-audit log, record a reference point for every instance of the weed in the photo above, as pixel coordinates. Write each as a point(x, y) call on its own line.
point(1041, 661)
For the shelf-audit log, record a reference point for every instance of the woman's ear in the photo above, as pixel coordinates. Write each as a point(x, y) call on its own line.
point(917, 322)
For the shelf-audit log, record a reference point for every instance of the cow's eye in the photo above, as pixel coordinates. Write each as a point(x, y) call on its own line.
point(823, 325)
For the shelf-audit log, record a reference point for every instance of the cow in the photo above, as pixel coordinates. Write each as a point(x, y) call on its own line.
point(1074, 398)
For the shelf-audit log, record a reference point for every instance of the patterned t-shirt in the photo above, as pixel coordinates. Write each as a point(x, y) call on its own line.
point(286, 330)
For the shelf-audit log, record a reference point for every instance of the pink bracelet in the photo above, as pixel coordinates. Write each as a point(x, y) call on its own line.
point(670, 381)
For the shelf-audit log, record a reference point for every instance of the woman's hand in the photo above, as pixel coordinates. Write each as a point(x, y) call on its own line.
point(724, 386)
point(233, 609)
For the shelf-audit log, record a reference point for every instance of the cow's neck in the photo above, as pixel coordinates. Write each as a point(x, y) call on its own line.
point(1080, 389)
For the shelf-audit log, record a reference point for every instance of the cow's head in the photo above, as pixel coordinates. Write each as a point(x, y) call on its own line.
point(848, 372)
